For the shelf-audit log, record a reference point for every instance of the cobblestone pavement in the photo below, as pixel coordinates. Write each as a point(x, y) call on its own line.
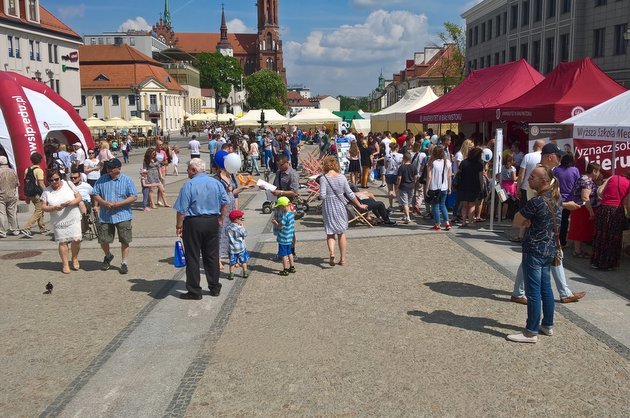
point(385, 335)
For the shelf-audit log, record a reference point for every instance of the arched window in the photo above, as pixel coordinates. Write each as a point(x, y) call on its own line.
point(269, 42)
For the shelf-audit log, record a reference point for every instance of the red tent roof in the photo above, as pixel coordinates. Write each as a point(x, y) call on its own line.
point(569, 89)
point(482, 89)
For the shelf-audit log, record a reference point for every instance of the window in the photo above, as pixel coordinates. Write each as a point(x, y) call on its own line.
point(598, 42)
point(564, 47)
point(620, 42)
point(512, 53)
point(470, 37)
point(536, 55)
point(114, 100)
point(92, 41)
point(10, 45)
point(476, 35)
point(504, 23)
point(498, 33)
point(566, 6)
point(17, 48)
point(503, 57)
point(481, 62)
point(489, 29)
point(57, 87)
point(475, 64)
point(99, 100)
point(31, 50)
point(100, 41)
point(50, 53)
point(488, 63)
point(551, 8)
point(131, 99)
point(550, 55)
point(483, 32)
point(38, 55)
point(514, 17)
point(496, 58)
point(82, 100)
point(525, 12)
point(132, 41)
point(33, 10)
point(600, 3)
point(55, 56)
point(12, 8)
point(524, 51)
point(538, 10)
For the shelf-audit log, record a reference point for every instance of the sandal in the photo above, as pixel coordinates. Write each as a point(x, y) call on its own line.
point(342, 262)
point(331, 261)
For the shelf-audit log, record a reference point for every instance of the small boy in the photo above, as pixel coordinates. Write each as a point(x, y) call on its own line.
point(405, 184)
point(286, 230)
point(237, 251)
point(146, 190)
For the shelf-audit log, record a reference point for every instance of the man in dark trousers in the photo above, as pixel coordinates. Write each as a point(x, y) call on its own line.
point(201, 207)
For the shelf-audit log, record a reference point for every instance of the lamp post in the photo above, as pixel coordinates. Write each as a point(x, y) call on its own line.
point(135, 88)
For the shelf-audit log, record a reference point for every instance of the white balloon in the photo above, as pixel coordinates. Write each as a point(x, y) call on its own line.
point(487, 154)
point(232, 163)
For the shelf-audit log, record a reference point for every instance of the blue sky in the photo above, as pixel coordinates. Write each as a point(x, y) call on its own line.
point(331, 46)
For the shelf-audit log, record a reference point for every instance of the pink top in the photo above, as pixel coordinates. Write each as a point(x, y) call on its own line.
point(616, 191)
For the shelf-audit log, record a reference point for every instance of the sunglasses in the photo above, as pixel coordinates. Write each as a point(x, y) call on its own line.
point(75, 177)
point(55, 179)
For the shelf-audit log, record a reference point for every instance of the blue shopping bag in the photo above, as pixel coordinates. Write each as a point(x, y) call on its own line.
point(179, 257)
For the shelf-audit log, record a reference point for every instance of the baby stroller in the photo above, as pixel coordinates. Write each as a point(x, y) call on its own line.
point(299, 205)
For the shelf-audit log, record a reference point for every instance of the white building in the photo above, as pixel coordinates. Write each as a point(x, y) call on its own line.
point(328, 102)
point(35, 44)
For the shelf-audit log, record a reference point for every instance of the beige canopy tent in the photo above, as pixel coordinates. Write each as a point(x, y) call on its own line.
point(225, 117)
point(314, 117)
point(363, 126)
point(117, 123)
point(95, 123)
point(251, 118)
point(136, 122)
point(202, 117)
point(394, 117)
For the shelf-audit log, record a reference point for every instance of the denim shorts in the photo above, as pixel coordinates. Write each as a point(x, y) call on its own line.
point(239, 258)
point(285, 250)
point(391, 178)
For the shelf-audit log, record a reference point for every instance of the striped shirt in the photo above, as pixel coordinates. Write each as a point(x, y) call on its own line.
point(236, 238)
point(114, 190)
point(285, 234)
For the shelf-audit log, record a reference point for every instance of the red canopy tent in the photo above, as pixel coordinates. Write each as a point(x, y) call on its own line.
point(568, 90)
point(481, 90)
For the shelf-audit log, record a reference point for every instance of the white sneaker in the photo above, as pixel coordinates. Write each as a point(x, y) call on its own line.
point(548, 331)
point(522, 338)
point(16, 232)
point(3, 234)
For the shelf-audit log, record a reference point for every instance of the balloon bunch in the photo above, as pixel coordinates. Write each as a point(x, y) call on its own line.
point(231, 162)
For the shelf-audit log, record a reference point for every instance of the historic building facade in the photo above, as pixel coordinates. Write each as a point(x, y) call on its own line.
point(547, 32)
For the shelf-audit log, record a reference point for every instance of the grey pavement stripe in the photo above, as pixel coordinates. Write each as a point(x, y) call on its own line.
point(589, 328)
point(190, 380)
point(57, 406)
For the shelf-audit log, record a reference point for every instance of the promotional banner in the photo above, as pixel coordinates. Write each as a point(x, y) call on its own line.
point(343, 146)
point(601, 152)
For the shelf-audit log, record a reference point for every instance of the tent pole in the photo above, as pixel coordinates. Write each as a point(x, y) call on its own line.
point(614, 157)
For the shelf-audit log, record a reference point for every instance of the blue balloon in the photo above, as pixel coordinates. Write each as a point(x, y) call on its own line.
point(219, 157)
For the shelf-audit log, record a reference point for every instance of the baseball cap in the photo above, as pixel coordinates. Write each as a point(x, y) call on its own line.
point(282, 201)
point(3, 160)
point(114, 163)
point(552, 148)
point(235, 214)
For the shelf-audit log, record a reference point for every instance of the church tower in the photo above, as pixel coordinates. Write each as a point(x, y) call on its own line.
point(163, 28)
point(269, 43)
point(224, 46)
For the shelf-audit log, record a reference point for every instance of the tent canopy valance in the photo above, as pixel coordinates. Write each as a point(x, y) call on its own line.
point(310, 117)
point(569, 89)
point(251, 118)
point(482, 90)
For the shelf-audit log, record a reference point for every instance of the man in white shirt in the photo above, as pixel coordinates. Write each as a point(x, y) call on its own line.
point(194, 146)
point(529, 163)
point(350, 136)
point(79, 154)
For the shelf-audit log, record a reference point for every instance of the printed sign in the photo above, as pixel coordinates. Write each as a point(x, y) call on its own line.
point(600, 152)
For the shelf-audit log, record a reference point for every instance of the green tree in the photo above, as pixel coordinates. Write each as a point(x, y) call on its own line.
point(218, 72)
point(353, 103)
point(452, 66)
point(266, 90)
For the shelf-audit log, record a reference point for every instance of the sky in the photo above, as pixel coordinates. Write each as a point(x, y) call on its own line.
point(333, 47)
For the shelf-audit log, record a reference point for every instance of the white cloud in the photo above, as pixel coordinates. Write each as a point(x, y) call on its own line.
point(374, 3)
point(139, 23)
point(238, 26)
point(349, 59)
point(69, 12)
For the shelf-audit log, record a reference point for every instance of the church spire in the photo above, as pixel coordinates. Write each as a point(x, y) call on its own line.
point(224, 27)
point(224, 46)
point(167, 14)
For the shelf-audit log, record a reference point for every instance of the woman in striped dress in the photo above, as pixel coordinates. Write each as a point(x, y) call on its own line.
point(333, 187)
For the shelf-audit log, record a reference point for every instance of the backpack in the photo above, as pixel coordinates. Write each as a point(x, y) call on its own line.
point(31, 189)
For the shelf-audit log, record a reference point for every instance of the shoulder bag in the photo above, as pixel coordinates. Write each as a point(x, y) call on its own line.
point(432, 195)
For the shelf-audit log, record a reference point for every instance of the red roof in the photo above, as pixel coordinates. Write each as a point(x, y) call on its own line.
point(194, 43)
point(47, 21)
point(481, 90)
point(572, 87)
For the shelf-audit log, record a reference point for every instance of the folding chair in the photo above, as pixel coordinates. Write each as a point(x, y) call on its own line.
point(355, 215)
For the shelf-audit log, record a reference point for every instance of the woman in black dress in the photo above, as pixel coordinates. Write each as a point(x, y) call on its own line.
point(470, 183)
point(366, 162)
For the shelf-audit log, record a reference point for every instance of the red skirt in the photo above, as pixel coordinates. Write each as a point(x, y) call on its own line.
point(581, 228)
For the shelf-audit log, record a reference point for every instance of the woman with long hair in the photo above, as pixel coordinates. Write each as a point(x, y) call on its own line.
point(582, 221)
point(470, 184)
point(365, 151)
point(508, 182)
point(334, 189)
point(609, 222)
point(61, 200)
point(438, 183)
point(154, 176)
point(354, 156)
point(92, 167)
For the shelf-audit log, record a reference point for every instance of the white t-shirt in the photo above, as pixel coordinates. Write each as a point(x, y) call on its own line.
point(386, 142)
point(393, 161)
point(529, 163)
point(85, 190)
point(194, 145)
point(350, 137)
point(94, 174)
point(459, 157)
point(437, 183)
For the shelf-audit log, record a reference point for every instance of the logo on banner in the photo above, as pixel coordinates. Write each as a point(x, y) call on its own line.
point(498, 114)
point(577, 110)
point(534, 130)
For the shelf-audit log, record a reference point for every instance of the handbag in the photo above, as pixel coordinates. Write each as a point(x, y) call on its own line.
point(559, 255)
point(179, 258)
point(432, 195)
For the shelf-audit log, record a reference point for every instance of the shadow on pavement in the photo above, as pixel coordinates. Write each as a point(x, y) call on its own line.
point(471, 323)
point(86, 265)
point(167, 260)
point(311, 261)
point(458, 289)
point(157, 289)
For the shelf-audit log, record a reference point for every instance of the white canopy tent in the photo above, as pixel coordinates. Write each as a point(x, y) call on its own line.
point(251, 118)
point(608, 121)
point(394, 117)
point(314, 117)
point(363, 126)
point(225, 117)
